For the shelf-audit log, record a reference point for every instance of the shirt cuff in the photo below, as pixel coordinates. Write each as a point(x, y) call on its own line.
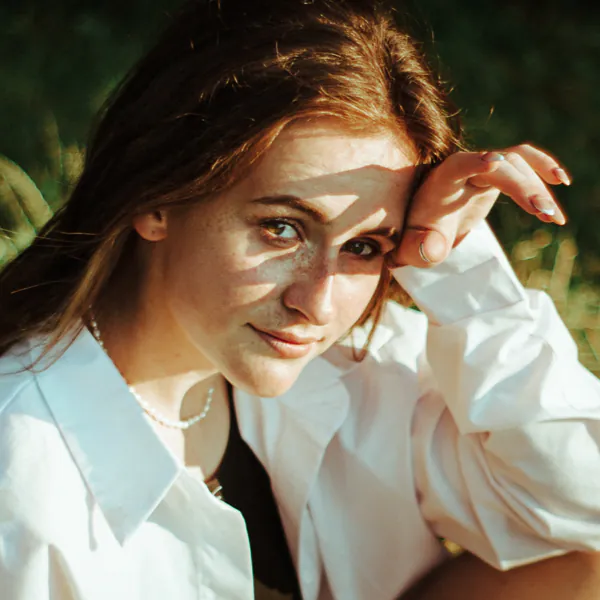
point(474, 279)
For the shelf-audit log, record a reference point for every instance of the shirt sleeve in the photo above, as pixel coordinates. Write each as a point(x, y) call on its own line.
point(506, 435)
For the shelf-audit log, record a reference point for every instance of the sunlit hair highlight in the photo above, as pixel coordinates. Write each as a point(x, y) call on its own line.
point(199, 109)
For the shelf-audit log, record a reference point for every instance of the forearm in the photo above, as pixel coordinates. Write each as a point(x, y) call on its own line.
point(505, 437)
point(575, 576)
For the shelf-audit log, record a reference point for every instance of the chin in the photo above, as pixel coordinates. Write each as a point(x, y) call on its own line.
point(270, 386)
point(266, 380)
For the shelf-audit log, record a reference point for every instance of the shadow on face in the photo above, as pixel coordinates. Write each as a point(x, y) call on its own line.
point(296, 248)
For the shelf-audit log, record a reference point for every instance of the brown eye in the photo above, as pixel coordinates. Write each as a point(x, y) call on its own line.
point(363, 249)
point(281, 229)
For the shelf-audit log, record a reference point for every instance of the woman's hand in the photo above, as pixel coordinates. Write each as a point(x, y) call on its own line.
point(460, 192)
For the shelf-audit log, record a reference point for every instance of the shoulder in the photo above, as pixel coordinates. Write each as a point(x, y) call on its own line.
point(15, 377)
point(23, 411)
point(36, 470)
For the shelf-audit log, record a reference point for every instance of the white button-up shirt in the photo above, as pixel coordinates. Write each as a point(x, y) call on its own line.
point(471, 420)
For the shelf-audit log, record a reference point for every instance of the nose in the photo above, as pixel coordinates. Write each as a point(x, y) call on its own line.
point(311, 294)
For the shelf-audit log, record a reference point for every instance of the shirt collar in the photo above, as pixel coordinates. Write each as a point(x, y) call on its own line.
point(338, 361)
point(120, 456)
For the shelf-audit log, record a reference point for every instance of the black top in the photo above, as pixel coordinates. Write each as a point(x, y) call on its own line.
point(243, 483)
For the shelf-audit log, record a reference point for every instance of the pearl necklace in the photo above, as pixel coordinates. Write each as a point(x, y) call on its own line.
point(148, 409)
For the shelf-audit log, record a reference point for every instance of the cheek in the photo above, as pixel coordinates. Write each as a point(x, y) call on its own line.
point(221, 270)
point(352, 298)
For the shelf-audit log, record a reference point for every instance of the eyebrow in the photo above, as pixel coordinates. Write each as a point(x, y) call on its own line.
point(297, 203)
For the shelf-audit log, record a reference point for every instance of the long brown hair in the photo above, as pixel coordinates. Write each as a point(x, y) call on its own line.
point(190, 119)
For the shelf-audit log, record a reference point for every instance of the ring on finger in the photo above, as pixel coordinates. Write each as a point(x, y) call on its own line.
point(422, 254)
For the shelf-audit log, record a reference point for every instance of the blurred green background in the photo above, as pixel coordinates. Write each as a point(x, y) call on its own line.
point(520, 70)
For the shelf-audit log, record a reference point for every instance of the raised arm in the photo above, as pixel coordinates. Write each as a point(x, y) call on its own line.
point(507, 434)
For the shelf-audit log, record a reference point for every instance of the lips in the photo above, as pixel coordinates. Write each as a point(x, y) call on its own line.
point(287, 345)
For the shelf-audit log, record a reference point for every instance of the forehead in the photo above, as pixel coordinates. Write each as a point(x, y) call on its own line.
point(333, 169)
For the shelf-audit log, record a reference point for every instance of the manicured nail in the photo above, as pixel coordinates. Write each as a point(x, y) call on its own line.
point(493, 157)
point(562, 176)
point(433, 247)
point(543, 205)
point(545, 218)
point(422, 253)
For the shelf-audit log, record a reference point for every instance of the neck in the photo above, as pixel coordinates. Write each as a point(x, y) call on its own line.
point(157, 359)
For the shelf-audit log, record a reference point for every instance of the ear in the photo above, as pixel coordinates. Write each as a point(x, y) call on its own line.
point(151, 227)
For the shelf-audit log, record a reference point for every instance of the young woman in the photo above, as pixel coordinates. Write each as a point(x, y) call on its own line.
point(205, 393)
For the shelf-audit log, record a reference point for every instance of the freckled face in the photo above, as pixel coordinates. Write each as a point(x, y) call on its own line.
point(271, 273)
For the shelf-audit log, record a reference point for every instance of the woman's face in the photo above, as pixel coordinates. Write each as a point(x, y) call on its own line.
point(268, 275)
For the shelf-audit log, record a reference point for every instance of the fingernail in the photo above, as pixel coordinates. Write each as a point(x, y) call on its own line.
point(547, 207)
point(543, 205)
point(422, 253)
point(545, 218)
point(432, 248)
point(493, 157)
point(562, 176)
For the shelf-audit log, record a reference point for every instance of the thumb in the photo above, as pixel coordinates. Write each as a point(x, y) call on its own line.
point(422, 247)
point(435, 213)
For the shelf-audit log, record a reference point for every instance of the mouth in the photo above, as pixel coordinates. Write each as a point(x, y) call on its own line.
point(285, 344)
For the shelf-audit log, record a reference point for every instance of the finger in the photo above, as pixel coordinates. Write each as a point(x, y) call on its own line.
point(428, 245)
point(437, 241)
point(432, 220)
point(461, 166)
point(545, 201)
point(449, 177)
point(546, 166)
point(545, 218)
point(421, 248)
point(517, 179)
point(444, 191)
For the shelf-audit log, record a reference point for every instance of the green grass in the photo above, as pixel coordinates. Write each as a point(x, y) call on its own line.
point(550, 263)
